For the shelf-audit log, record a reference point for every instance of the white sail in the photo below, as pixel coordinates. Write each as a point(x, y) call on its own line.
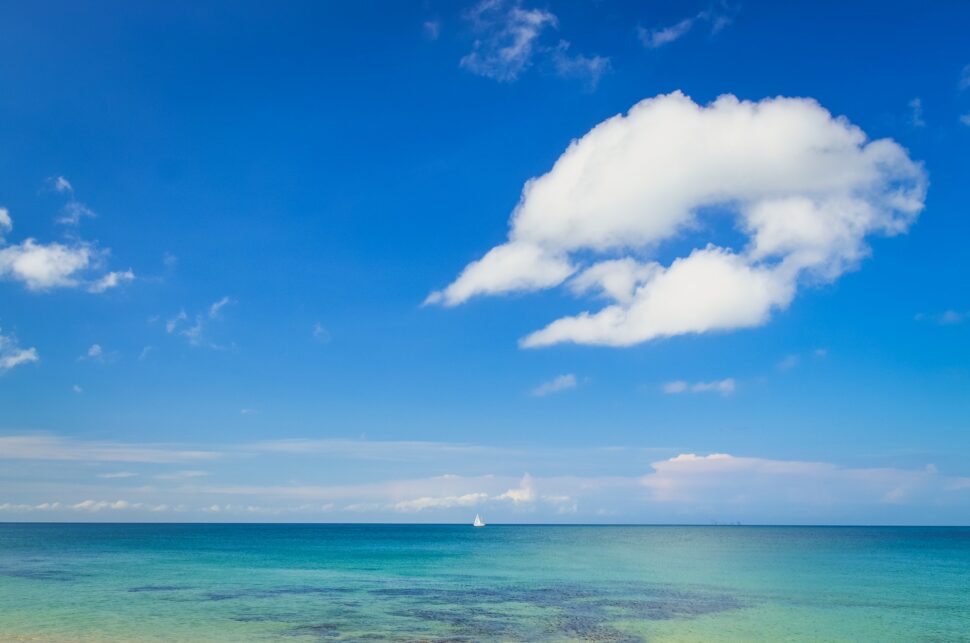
point(478, 521)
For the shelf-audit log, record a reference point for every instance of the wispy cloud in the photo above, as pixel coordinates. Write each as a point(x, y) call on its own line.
point(510, 41)
point(182, 475)
point(94, 352)
point(195, 333)
point(916, 113)
point(726, 386)
point(320, 333)
point(555, 385)
point(12, 355)
point(431, 29)
point(788, 362)
point(946, 318)
point(717, 17)
point(42, 447)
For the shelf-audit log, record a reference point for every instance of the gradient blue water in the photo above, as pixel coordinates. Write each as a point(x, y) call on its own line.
point(510, 583)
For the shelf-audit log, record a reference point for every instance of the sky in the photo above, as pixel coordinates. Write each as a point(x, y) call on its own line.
point(554, 262)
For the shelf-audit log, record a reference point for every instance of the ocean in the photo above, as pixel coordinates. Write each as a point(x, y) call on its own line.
point(194, 582)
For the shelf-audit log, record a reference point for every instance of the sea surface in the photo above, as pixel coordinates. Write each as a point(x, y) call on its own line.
point(126, 582)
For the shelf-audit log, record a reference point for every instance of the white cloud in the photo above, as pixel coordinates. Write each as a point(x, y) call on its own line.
point(111, 475)
point(965, 118)
point(965, 78)
point(94, 352)
point(555, 385)
point(806, 189)
point(660, 36)
point(42, 267)
point(77, 389)
point(916, 113)
point(726, 386)
point(6, 223)
point(11, 354)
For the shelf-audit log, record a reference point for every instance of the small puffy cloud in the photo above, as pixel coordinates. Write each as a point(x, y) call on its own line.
point(657, 37)
point(555, 385)
point(94, 352)
point(12, 355)
point(726, 386)
point(805, 189)
point(45, 266)
point(510, 41)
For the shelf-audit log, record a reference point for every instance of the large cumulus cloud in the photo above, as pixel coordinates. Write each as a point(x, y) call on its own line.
point(805, 189)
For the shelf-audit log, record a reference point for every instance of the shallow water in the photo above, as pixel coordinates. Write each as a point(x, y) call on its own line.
point(505, 583)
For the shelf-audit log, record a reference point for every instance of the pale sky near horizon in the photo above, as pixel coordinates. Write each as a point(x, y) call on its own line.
point(543, 261)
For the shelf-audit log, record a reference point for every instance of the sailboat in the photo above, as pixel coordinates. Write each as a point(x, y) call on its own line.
point(478, 521)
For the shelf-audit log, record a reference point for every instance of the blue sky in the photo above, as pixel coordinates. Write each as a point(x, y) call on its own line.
point(244, 297)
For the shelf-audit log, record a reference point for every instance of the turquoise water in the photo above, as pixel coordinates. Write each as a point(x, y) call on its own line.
point(502, 583)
